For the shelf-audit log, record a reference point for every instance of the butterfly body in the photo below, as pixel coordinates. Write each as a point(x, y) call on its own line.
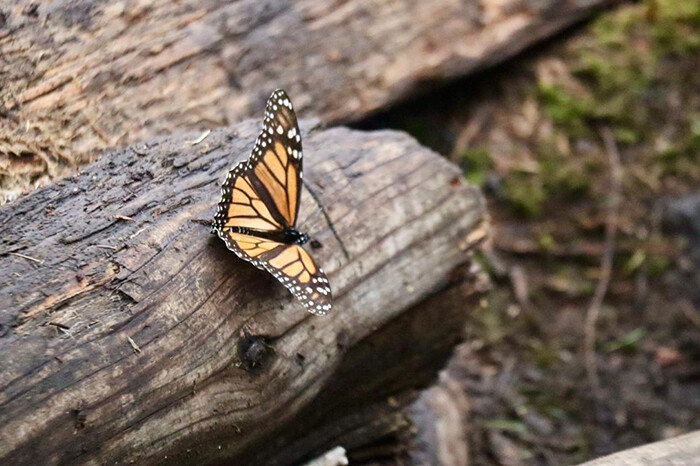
point(286, 236)
point(257, 214)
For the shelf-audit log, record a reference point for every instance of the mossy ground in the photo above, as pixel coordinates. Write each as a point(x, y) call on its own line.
point(529, 133)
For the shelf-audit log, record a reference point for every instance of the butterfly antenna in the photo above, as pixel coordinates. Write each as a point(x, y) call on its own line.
point(328, 219)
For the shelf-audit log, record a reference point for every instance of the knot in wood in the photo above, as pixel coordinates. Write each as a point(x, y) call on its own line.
point(254, 352)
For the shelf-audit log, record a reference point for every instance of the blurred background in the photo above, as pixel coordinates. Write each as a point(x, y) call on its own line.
point(532, 133)
point(583, 132)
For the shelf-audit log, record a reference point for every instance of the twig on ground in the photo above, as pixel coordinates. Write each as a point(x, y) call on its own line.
point(611, 223)
point(133, 344)
point(106, 246)
point(201, 138)
point(24, 256)
point(60, 325)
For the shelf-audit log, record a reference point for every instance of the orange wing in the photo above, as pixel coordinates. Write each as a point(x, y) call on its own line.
point(260, 198)
point(290, 264)
point(263, 193)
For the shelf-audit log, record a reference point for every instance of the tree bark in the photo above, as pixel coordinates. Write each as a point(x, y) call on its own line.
point(679, 451)
point(440, 419)
point(129, 334)
point(91, 74)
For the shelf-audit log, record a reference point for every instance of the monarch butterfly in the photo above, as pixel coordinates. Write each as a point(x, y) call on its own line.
point(257, 214)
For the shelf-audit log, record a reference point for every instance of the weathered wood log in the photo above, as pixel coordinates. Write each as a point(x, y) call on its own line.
point(440, 419)
point(678, 451)
point(129, 334)
point(86, 75)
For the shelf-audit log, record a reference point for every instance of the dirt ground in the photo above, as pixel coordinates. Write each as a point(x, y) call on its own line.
point(532, 134)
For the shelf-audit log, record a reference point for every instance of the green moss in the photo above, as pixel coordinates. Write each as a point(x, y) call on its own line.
point(693, 138)
point(562, 176)
point(566, 109)
point(544, 353)
point(475, 163)
point(546, 241)
point(626, 135)
point(675, 26)
point(612, 31)
point(658, 265)
point(525, 194)
point(621, 65)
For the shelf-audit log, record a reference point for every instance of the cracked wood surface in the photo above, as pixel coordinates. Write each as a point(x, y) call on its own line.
point(76, 76)
point(129, 333)
point(683, 450)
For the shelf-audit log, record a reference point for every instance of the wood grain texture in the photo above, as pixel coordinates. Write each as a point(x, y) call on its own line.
point(129, 333)
point(683, 450)
point(81, 75)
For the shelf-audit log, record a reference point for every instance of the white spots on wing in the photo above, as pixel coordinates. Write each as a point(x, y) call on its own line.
point(314, 295)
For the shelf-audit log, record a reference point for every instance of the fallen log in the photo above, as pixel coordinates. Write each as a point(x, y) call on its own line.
point(129, 334)
point(86, 75)
point(439, 417)
point(683, 450)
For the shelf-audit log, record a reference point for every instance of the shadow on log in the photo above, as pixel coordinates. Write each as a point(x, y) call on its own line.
point(129, 334)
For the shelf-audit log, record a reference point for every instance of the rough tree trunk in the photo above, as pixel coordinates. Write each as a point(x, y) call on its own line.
point(92, 74)
point(129, 333)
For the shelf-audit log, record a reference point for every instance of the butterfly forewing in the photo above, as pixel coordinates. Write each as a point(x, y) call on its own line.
point(276, 161)
point(273, 173)
point(262, 194)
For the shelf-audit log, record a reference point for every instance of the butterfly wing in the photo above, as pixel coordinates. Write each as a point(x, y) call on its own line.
point(242, 206)
point(263, 193)
point(290, 264)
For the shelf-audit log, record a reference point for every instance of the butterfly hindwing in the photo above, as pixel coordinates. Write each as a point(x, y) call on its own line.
point(261, 196)
point(288, 263)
